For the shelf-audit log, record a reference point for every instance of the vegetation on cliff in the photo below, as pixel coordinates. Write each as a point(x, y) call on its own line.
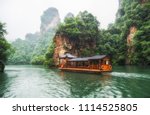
point(49, 61)
point(80, 29)
point(131, 47)
point(126, 41)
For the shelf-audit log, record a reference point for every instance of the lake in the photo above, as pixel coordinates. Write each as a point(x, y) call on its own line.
point(27, 81)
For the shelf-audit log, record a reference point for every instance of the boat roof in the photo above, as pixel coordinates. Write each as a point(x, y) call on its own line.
point(97, 57)
point(67, 55)
point(79, 59)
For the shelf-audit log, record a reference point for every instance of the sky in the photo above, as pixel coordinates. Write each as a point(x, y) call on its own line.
point(23, 16)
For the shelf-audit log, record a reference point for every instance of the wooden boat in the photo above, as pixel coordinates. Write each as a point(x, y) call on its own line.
point(94, 64)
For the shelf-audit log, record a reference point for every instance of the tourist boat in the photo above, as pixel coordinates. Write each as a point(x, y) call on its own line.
point(93, 64)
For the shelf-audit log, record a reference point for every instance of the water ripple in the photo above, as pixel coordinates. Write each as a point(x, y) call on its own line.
point(40, 82)
point(130, 75)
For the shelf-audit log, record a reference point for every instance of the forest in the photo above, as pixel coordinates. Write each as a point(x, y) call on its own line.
point(33, 48)
point(126, 40)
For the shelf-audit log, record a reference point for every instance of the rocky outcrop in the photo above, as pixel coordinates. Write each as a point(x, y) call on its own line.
point(35, 44)
point(64, 45)
point(49, 20)
point(132, 32)
point(130, 43)
point(69, 15)
point(59, 47)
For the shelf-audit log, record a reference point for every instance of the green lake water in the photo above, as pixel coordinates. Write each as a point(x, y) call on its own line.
point(26, 81)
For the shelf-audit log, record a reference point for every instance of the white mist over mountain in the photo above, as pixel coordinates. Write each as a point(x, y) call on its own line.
point(23, 16)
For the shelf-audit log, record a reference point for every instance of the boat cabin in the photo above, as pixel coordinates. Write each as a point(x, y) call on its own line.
point(94, 64)
point(64, 58)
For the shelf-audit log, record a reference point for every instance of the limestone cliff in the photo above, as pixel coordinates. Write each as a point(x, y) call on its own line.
point(63, 44)
point(77, 36)
point(69, 15)
point(59, 41)
point(35, 44)
point(130, 43)
point(49, 20)
point(132, 32)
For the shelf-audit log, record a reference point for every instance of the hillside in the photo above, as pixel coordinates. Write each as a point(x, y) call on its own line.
point(34, 47)
point(126, 41)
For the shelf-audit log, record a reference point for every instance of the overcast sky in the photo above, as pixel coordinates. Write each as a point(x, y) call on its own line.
point(23, 16)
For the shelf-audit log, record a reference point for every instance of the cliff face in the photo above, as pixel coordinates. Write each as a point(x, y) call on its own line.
point(69, 15)
point(49, 23)
point(133, 23)
point(63, 44)
point(49, 20)
point(59, 47)
point(131, 35)
point(130, 43)
point(77, 35)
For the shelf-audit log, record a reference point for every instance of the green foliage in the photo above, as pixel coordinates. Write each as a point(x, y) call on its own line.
point(2, 30)
point(49, 55)
point(113, 41)
point(82, 27)
point(49, 62)
point(108, 43)
point(4, 45)
point(23, 50)
point(86, 52)
point(38, 60)
point(131, 13)
point(142, 42)
point(31, 50)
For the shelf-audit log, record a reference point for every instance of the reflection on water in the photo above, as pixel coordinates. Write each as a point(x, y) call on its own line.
point(37, 81)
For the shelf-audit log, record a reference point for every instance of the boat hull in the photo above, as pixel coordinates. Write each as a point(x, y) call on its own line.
point(83, 70)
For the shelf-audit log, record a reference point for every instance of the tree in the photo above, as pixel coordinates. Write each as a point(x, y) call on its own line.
point(80, 30)
point(49, 55)
point(4, 45)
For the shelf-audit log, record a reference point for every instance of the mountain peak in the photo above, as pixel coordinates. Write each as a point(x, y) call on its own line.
point(49, 20)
